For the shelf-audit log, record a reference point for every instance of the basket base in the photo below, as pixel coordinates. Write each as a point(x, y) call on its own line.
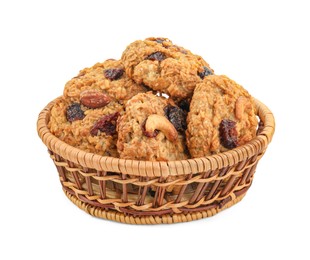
point(142, 220)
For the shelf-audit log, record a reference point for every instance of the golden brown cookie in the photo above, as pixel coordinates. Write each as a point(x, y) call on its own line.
point(165, 67)
point(108, 77)
point(222, 116)
point(148, 130)
point(91, 130)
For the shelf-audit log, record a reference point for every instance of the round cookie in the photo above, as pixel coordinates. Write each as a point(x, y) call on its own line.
point(108, 77)
point(151, 129)
point(165, 67)
point(222, 116)
point(91, 130)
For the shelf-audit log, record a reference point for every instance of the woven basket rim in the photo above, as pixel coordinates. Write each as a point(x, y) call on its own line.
point(163, 168)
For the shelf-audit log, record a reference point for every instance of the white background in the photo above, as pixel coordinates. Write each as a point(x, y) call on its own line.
point(263, 45)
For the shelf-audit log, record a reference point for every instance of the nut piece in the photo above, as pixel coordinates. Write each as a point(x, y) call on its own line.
point(94, 98)
point(146, 133)
point(161, 123)
point(241, 104)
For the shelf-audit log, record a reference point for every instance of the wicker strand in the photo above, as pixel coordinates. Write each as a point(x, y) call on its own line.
point(144, 192)
point(165, 219)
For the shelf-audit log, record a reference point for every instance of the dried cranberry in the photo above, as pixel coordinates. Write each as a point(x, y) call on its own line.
point(113, 74)
point(157, 56)
point(106, 124)
point(177, 117)
point(206, 72)
point(74, 112)
point(146, 133)
point(228, 134)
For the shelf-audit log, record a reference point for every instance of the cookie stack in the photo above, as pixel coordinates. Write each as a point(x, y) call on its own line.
point(160, 102)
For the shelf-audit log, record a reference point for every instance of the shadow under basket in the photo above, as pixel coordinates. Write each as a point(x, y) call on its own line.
point(144, 192)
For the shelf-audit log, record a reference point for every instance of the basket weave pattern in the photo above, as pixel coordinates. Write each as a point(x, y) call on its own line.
point(144, 192)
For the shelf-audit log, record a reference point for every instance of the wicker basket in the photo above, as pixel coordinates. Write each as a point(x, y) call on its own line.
point(144, 192)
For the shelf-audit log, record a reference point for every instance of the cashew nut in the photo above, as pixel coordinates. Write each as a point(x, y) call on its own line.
point(161, 123)
point(241, 104)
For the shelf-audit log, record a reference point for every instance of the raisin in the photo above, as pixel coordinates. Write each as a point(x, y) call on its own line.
point(159, 40)
point(113, 74)
point(74, 112)
point(184, 105)
point(228, 134)
point(106, 124)
point(206, 72)
point(146, 133)
point(157, 56)
point(177, 117)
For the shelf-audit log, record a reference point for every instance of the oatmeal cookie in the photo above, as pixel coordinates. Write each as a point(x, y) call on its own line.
point(108, 77)
point(91, 130)
point(151, 129)
point(222, 116)
point(165, 67)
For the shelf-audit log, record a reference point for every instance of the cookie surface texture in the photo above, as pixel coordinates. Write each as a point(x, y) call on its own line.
point(165, 67)
point(222, 116)
point(108, 77)
point(161, 142)
point(89, 130)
